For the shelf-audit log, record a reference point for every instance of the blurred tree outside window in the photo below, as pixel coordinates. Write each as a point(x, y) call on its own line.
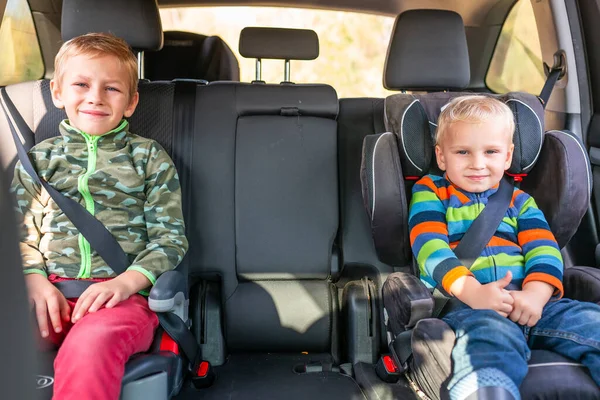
point(517, 61)
point(21, 58)
point(353, 46)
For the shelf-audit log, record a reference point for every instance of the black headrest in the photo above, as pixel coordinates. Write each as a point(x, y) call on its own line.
point(187, 55)
point(135, 21)
point(413, 118)
point(428, 51)
point(279, 43)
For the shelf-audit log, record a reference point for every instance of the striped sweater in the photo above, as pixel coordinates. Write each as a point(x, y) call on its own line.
point(441, 213)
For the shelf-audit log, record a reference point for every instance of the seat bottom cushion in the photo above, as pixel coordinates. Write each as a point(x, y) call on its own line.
point(275, 376)
point(550, 375)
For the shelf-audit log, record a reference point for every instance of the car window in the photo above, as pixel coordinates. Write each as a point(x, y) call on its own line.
point(517, 61)
point(353, 46)
point(21, 55)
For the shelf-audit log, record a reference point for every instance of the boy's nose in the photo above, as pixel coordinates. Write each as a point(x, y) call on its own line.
point(477, 162)
point(95, 96)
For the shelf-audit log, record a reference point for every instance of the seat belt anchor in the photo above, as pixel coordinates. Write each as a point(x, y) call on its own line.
point(559, 63)
point(203, 375)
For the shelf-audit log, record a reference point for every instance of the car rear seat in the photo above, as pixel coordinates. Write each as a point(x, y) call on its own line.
point(263, 227)
point(187, 55)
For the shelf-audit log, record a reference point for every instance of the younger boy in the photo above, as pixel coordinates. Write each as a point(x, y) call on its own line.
point(495, 327)
point(128, 183)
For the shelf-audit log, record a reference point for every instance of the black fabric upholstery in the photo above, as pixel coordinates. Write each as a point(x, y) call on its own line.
point(561, 183)
point(287, 100)
point(280, 316)
point(279, 43)
point(281, 166)
point(274, 376)
point(422, 58)
point(144, 32)
point(18, 351)
point(265, 195)
point(552, 376)
point(357, 118)
point(385, 198)
point(582, 283)
point(187, 55)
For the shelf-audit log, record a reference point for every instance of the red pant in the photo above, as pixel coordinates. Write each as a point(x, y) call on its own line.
point(91, 360)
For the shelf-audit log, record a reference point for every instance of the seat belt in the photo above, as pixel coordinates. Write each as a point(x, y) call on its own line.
point(553, 75)
point(101, 240)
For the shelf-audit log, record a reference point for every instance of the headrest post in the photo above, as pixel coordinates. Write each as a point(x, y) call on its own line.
point(258, 70)
point(140, 60)
point(286, 72)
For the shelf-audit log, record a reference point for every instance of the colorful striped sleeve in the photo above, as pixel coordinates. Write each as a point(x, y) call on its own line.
point(543, 261)
point(429, 236)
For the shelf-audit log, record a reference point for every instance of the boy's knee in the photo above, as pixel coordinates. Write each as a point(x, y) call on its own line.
point(485, 377)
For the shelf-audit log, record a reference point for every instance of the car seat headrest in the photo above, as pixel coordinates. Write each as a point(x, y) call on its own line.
point(279, 43)
point(187, 55)
point(413, 118)
point(135, 21)
point(427, 51)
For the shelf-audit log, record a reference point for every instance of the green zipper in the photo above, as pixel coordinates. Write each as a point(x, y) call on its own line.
point(82, 186)
point(85, 271)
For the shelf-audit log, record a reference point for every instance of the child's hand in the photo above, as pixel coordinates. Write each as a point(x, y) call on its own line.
point(529, 302)
point(491, 296)
point(109, 293)
point(48, 301)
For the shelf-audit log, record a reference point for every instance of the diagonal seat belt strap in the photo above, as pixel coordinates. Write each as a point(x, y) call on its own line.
point(478, 235)
point(485, 225)
point(549, 85)
point(93, 230)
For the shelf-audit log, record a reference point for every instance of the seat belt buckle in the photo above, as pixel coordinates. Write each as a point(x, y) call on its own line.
point(203, 375)
point(168, 344)
point(387, 369)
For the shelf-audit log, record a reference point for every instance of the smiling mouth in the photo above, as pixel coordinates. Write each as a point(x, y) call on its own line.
point(477, 177)
point(94, 113)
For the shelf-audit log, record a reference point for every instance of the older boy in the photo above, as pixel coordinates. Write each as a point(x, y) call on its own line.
point(127, 182)
point(495, 327)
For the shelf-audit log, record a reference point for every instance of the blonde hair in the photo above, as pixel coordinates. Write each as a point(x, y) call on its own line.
point(474, 109)
point(98, 45)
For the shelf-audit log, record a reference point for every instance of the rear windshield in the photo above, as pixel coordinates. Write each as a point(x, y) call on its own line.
point(353, 46)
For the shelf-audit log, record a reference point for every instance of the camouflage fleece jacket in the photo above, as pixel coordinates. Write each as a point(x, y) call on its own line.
point(128, 182)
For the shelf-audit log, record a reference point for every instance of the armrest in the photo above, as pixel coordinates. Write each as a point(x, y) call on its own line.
point(406, 301)
point(169, 294)
point(361, 317)
point(582, 283)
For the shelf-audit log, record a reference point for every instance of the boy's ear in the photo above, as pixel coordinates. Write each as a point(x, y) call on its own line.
point(56, 94)
point(439, 156)
point(509, 156)
point(132, 105)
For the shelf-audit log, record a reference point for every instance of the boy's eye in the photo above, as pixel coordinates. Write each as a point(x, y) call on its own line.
point(112, 89)
point(80, 84)
point(492, 151)
point(461, 152)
